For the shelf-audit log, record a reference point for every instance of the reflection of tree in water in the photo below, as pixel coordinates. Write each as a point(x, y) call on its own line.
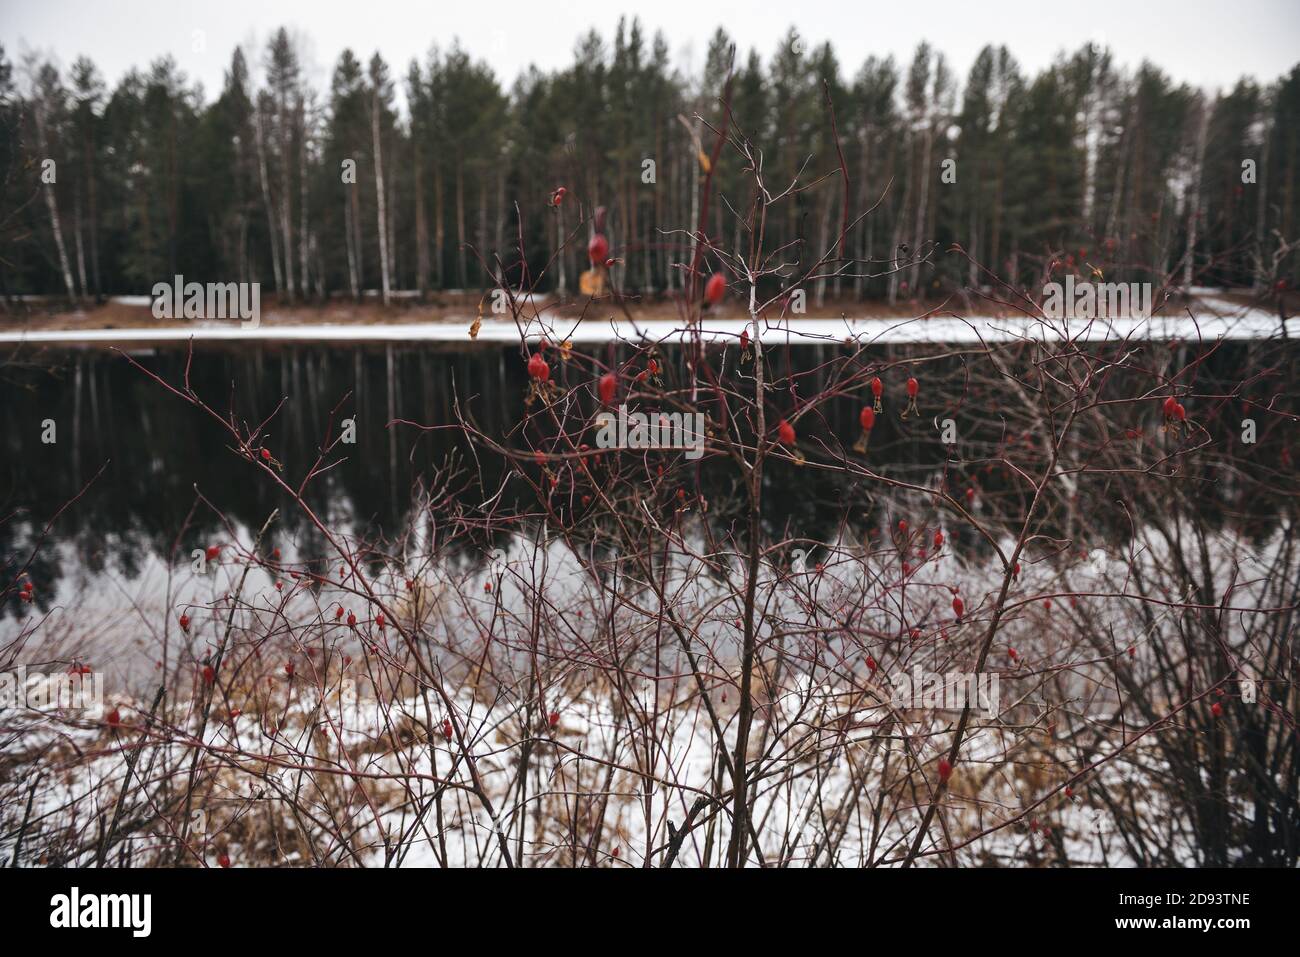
point(155, 450)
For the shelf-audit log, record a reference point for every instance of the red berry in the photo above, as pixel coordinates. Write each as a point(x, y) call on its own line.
point(1180, 413)
point(288, 668)
point(213, 552)
point(785, 431)
point(224, 860)
point(1216, 709)
point(487, 586)
point(1069, 792)
point(266, 455)
point(608, 385)
point(555, 718)
point(379, 620)
point(877, 387)
point(338, 612)
point(945, 769)
point(958, 607)
point(1170, 404)
point(537, 368)
point(1012, 653)
point(938, 539)
point(598, 249)
point(114, 718)
point(185, 622)
point(867, 417)
point(912, 387)
point(715, 289)
point(209, 675)
point(557, 197)
point(1015, 571)
point(352, 619)
point(902, 525)
point(871, 664)
point(446, 727)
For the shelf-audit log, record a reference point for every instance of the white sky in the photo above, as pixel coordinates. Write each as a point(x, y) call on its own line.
point(1205, 42)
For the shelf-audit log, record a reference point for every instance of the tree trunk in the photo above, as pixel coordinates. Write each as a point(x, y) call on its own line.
point(260, 139)
point(52, 205)
point(1261, 213)
point(421, 229)
point(358, 246)
point(481, 232)
point(88, 173)
point(922, 207)
point(460, 221)
point(499, 242)
point(286, 193)
point(439, 221)
point(303, 251)
point(394, 251)
point(81, 248)
point(354, 282)
point(1194, 197)
point(380, 197)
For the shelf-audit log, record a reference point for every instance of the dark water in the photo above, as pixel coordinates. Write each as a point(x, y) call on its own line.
point(150, 455)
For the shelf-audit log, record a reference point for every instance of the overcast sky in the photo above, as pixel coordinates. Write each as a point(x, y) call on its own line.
point(1206, 42)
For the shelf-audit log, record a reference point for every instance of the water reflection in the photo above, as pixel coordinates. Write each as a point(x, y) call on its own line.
point(152, 452)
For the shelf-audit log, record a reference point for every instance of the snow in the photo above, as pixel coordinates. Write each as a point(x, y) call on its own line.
point(1232, 323)
point(594, 721)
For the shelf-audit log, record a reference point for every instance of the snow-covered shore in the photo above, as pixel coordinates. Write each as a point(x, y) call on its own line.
point(1255, 324)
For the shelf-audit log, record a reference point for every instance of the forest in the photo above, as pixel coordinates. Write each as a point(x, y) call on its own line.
point(330, 194)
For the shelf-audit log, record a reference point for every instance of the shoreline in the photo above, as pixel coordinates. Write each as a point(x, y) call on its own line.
point(1252, 324)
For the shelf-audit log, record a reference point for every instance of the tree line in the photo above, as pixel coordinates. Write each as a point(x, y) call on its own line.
point(323, 194)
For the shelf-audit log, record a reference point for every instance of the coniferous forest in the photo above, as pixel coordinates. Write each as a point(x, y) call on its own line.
point(156, 176)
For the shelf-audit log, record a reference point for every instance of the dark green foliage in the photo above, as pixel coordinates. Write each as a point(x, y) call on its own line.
point(1082, 161)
